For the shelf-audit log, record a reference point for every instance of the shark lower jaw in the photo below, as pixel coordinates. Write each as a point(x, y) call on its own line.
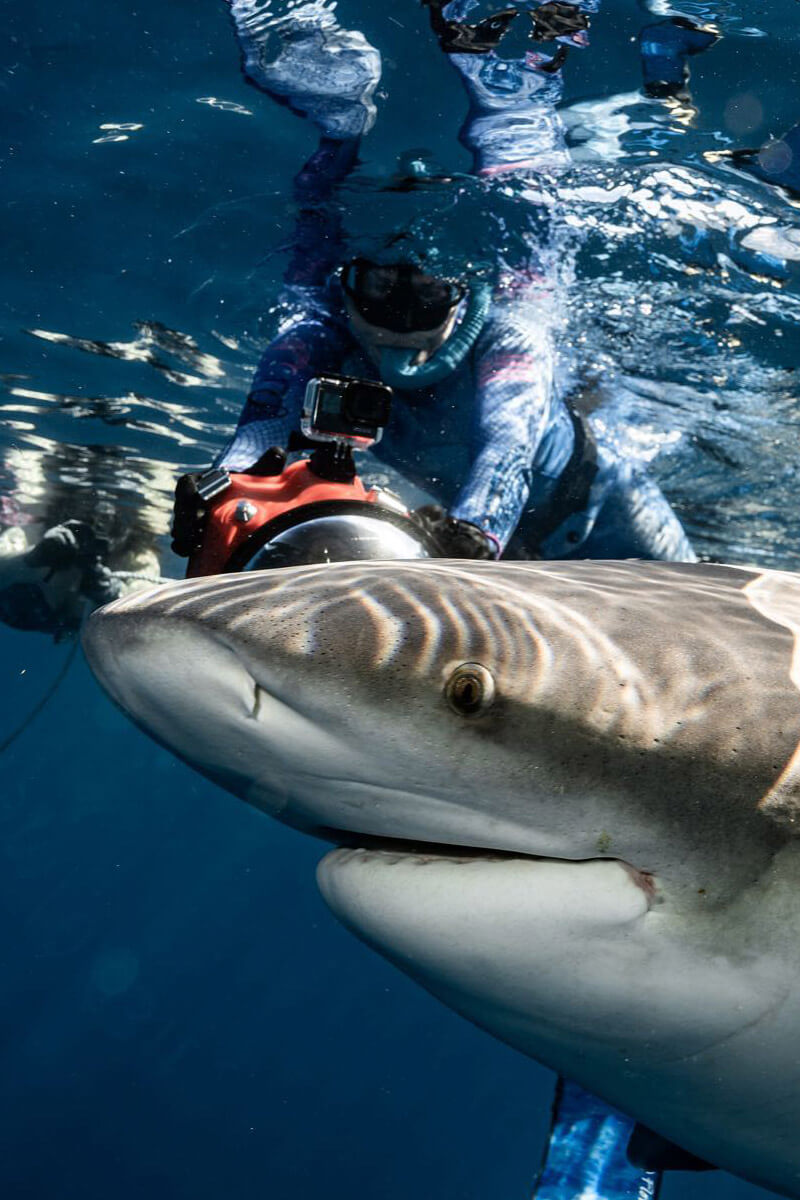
point(571, 964)
point(507, 941)
point(602, 891)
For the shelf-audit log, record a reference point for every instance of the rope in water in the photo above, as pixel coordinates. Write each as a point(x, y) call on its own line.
point(45, 698)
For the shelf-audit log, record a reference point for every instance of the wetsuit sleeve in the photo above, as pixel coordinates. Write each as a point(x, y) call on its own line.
point(516, 411)
point(313, 342)
point(314, 337)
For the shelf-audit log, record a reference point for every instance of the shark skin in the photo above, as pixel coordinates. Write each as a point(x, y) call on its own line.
point(589, 848)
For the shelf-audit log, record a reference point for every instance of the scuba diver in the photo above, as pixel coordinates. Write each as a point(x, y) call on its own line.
point(48, 584)
point(476, 359)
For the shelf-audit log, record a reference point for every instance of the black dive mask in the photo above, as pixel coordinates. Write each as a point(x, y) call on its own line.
point(399, 297)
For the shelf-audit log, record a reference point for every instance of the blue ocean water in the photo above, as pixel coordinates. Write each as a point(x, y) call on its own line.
point(181, 1016)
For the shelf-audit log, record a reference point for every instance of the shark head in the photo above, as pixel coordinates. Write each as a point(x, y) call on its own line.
point(564, 796)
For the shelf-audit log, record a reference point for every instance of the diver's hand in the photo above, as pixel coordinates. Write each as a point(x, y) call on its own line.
point(665, 47)
point(455, 538)
point(74, 543)
point(100, 585)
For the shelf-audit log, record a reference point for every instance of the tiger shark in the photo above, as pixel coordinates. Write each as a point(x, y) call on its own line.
point(564, 798)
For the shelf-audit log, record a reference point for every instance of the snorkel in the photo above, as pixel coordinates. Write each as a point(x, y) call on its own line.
point(397, 366)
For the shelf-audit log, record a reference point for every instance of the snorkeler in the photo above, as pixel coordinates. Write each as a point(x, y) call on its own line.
point(55, 568)
point(48, 585)
point(475, 357)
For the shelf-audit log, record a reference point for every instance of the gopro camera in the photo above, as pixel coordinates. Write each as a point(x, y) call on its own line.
point(339, 408)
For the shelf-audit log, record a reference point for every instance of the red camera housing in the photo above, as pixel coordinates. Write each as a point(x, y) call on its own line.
point(250, 501)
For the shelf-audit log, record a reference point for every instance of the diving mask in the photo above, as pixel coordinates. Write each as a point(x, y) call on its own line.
point(399, 297)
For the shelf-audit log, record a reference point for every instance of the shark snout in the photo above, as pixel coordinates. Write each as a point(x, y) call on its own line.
point(191, 678)
point(179, 683)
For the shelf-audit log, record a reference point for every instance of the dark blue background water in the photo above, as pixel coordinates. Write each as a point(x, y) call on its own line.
point(180, 1015)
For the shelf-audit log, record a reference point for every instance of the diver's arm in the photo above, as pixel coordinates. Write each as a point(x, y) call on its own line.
point(303, 59)
point(516, 398)
point(315, 339)
point(316, 342)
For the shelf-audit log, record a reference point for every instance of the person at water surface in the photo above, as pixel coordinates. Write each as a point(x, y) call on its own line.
point(75, 532)
point(474, 351)
point(52, 597)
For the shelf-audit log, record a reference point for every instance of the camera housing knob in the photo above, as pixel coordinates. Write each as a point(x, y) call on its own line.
point(245, 511)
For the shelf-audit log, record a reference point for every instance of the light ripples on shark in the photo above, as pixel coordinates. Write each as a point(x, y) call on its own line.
point(431, 618)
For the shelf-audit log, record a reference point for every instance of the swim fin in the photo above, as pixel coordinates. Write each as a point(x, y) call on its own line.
point(586, 1153)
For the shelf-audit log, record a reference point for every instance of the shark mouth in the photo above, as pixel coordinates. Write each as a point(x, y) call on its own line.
point(429, 852)
point(415, 848)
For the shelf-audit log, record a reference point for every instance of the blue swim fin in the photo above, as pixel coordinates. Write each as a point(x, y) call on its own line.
point(586, 1156)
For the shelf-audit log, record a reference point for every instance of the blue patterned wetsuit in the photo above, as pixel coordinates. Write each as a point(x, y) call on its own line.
point(495, 442)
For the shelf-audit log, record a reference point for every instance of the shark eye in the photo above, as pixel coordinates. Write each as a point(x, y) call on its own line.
point(470, 690)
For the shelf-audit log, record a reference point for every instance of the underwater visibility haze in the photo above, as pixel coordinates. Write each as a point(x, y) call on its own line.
point(182, 1016)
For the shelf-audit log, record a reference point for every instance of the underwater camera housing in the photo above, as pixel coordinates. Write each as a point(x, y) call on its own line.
point(343, 409)
point(314, 510)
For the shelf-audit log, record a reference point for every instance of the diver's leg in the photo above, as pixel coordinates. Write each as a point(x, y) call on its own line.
point(513, 124)
point(637, 521)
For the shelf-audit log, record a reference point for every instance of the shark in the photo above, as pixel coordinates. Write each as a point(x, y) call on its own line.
point(562, 797)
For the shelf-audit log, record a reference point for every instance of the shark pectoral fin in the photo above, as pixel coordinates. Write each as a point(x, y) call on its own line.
point(651, 1152)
